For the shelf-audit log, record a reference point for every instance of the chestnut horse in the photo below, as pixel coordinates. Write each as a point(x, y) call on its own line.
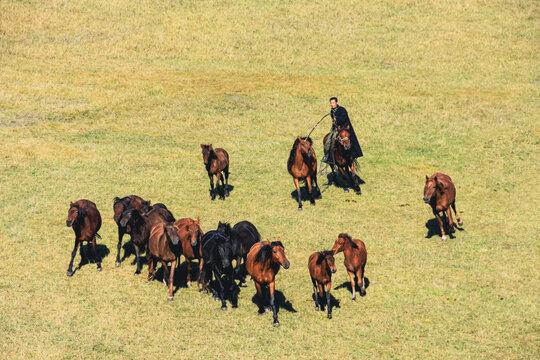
point(321, 266)
point(85, 219)
point(355, 260)
point(190, 234)
point(216, 161)
point(343, 159)
point(163, 246)
point(263, 262)
point(302, 165)
point(440, 193)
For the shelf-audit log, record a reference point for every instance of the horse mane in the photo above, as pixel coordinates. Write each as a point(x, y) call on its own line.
point(323, 254)
point(348, 237)
point(80, 209)
point(226, 227)
point(292, 154)
point(265, 253)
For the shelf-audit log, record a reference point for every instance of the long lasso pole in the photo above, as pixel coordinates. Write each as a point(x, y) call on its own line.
point(317, 124)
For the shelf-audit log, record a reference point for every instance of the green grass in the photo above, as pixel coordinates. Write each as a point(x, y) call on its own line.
point(101, 99)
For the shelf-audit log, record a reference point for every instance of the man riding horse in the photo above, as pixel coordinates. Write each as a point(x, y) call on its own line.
point(340, 118)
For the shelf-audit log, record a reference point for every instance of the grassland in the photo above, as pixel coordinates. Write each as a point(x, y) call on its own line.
point(101, 99)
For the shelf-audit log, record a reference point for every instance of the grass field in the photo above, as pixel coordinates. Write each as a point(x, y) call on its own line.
point(101, 99)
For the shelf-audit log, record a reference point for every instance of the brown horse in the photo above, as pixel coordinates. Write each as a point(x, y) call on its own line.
point(163, 246)
point(302, 165)
point(263, 262)
point(343, 159)
point(440, 193)
point(85, 219)
point(355, 260)
point(216, 161)
point(190, 234)
point(321, 266)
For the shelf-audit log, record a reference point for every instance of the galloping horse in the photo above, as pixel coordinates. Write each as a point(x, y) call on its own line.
point(163, 246)
point(355, 260)
point(343, 159)
point(216, 161)
point(85, 219)
point(190, 234)
point(302, 165)
point(321, 266)
point(263, 262)
point(440, 193)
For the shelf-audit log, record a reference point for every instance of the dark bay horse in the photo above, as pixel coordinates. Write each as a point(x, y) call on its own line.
point(119, 206)
point(216, 161)
point(85, 219)
point(217, 257)
point(302, 165)
point(263, 262)
point(190, 234)
point(440, 194)
point(341, 152)
point(163, 245)
point(321, 266)
point(140, 227)
point(243, 236)
point(355, 260)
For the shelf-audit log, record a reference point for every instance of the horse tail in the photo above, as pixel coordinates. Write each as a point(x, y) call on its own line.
point(98, 236)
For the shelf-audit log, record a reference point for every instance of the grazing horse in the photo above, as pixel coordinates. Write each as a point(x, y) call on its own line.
point(440, 193)
point(190, 234)
point(217, 258)
point(341, 152)
point(216, 161)
point(263, 262)
point(321, 266)
point(355, 260)
point(302, 165)
point(140, 228)
point(85, 219)
point(163, 245)
point(121, 205)
point(243, 236)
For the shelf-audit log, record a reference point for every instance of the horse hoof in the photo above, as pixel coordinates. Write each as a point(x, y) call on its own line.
point(353, 299)
point(300, 209)
point(117, 263)
point(358, 192)
point(346, 191)
point(69, 273)
point(216, 298)
point(461, 223)
point(329, 316)
point(362, 292)
point(316, 308)
point(205, 292)
point(444, 238)
point(189, 285)
point(223, 308)
point(261, 313)
point(276, 324)
point(312, 203)
point(170, 298)
point(136, 273)
point(99, 268)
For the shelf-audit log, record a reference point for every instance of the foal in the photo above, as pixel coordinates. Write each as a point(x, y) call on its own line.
point(163, 246)
point(355, 260)
point(321, 266)
point(302, 165)
point(85, 219)
point(190, 234)
point(216, 161)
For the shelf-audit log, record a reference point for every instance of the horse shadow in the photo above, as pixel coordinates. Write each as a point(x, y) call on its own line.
point(102, 251)
point(340, 181)
point(305, 195)
point(230, 188)
point(347, 284)
point(335, 303)
point(433, 228)
point(180, 275)
point(129, 250)
point(279, 300)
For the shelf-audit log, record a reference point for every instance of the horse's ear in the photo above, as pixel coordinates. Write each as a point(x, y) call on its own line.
point(70, 204)
point(427, 178)
point(189, 221)
point(299, 138)
point(197, 221)
point(348, 126)
point(210, 146)
point(202, 146)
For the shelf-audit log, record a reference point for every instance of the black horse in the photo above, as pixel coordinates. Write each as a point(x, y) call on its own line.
point(242, 236)
point(217, 256)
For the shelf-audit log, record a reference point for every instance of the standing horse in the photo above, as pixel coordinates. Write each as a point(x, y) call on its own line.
point(341, 152)
point(121, 205)
point(355, 260)
point(190, 234)
point(85, 219)
point(243, 236)
point(216, 161)
point(163, 246)
point(440, 193)
point(302, 165)
point(140, 228)
point(217, 258)
point(263, 262)
point(321, 266)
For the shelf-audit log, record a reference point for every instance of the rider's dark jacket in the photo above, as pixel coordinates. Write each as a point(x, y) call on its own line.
point(341, 118)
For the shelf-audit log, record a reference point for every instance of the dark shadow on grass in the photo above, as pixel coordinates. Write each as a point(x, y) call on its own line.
point(220, 188)
point(279, 300)
point(335, 303)
point(305, 195)
point(129, 250)
point(87, 255)
point(434, 230)
point(347, 284)
point(340, 182)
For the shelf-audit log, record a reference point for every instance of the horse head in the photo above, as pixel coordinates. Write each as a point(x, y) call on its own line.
point(305, 146)
point(344, 137)
point(146, 206)
point(75, 213)
point(194, 231)
point(278, 254)
point(328, 257)
point(172, 233)
point(206, 152)
point(225, 252)
point(127, 215)
point(340, 243)
point(224, 228)
point(430, 188)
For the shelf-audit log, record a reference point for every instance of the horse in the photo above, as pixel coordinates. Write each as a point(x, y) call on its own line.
point(440, 193)
point(302, 165)
point(119, 206)
point(243, 236)
point(217, 258)
point(140, 227)
point(263, 262)
point(216, 161)
point(85, 219)
point(321, 266)
point(355, 260)
point(190, 234)
point(163, 245)
point(343, 159)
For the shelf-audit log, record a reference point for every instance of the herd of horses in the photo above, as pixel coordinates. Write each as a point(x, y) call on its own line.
point(154, 230)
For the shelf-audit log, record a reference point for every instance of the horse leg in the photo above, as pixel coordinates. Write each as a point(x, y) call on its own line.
point(299, 193)
point(121, 232)
point(96, 256)
point(272, 287)
point(345, 188)
point(355, 180)
point(233, 288)
point(310, 190)
point(221, 291)
point(440, 224)
point(333, 178)
point(459, 220)
point(353, 285)
point(361, 282)
point(315, 293)
point(150, 260)
point(73, 254)
point(212, 193)
point(188, 279)
point(171, 280)
point(450, 221)
point(317, 190)
point(322, 293)
point(261, 298)
point(226, 172)
point(328, 303)
point(137, 260)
